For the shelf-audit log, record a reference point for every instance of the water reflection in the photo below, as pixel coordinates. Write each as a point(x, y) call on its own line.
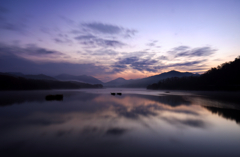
point(88, 124)
point(230, 114)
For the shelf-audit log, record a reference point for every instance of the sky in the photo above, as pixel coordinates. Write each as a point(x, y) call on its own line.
point(108, 39)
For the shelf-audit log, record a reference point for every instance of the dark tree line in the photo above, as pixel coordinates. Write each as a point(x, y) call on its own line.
point(224, 77)
point(18, 83)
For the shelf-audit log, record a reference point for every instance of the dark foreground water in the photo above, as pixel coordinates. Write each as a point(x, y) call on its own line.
point(138, 123)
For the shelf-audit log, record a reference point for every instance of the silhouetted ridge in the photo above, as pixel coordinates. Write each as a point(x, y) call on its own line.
point(224, 77)
point(144, 82)
point(8, 82)
point(117, 82)
point(80, 78)
point(35, 77)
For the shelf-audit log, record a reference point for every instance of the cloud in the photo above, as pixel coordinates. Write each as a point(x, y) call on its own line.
point(148, 62)
point(94, 41)
point(184, 64)
point(162, 58)
point(41, 51)
point(31, 50)
point(152, 43)
point(118, 68)
point(91, 34)
point(62, 38)
point(180, 48)
point(17, 27)
point(176, 65)
point(149, 65)
point(5, 24)
point(62, 41)
point(11, 61)
point(130, 33)
point(143, 62)
point(129, 60)
point(185, 51)
point(101, 52)
point(136, 63)
point(67, 20)
point(110, 29)
point(45, 30)
point(103, 28)
point(144, 65)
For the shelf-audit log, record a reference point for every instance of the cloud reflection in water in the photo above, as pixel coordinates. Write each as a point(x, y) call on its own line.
point(91, 124)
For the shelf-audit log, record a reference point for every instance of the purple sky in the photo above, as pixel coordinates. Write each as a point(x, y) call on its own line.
point(109, 39)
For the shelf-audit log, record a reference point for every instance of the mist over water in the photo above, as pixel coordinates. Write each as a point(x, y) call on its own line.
point(140, 122)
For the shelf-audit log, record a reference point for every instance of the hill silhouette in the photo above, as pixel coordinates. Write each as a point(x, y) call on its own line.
point(144, 82)
point(224, 77)
point(35, 77)
point(8, 82)
point(80, 78)
point(116, 83)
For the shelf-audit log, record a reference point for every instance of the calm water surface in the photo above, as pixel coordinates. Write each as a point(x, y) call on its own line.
point(139, 123)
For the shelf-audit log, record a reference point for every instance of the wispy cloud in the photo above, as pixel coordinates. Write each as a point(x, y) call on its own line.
point(180, 48)
point(19, 27)
point(16, 26)
point(162, 57)
point(12, 63)
point(152, 43)
point(184, 64)
point(109, 62)
point(31, 50)
point(100, 52)
point(185, 51)
point(98, 27)
point(135, 63)
point(68, 20)
point(62, 41)
point(203, 51)
point(94, 41)
point(103, 28)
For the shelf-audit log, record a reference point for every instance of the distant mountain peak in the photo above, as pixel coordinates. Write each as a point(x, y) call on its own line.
point(81, 78)
point(174, 71)
point(117, 82)
point(121, 82)
point(120, 78)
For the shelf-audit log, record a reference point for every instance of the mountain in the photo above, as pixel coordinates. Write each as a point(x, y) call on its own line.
point(8, 82)
point(80, 78)
point(144, 82)
point(224, 77)
point(39, 77)
point(35, 77)
point(14, 74)
point(116, 83)
point(154, 79)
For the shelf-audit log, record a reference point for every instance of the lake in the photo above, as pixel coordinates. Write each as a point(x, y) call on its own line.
point(140, 122)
